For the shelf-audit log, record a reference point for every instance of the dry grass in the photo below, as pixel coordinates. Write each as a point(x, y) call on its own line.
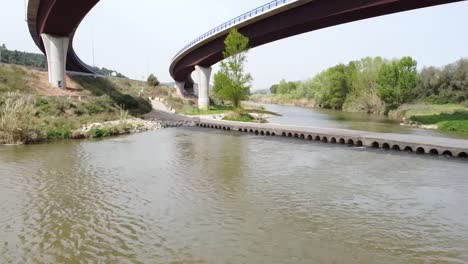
point(18, 124)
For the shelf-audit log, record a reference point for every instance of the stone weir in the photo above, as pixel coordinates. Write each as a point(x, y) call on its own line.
point(399, 142)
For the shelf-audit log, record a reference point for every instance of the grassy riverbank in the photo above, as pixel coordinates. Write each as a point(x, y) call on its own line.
point(447, 117)
point(32, 112)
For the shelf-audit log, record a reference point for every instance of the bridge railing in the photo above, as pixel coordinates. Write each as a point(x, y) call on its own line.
point(259, 10)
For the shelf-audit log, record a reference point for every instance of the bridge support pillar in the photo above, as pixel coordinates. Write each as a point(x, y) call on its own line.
point(180, 88)
point(56, 51)
point(204, 75)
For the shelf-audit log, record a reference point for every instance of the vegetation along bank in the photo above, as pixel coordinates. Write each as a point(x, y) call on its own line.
point(433, 97)
point(33, 112)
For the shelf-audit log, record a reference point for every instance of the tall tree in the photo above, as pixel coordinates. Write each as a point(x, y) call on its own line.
point(153, 80)
point(231, 82)
point(397, 81)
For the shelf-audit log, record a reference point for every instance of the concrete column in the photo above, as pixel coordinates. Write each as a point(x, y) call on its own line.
point(204, 75)
point(56, 51)
point(180, 88)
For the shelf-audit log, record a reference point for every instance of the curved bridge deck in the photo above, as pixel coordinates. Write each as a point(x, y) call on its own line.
point(400, 142)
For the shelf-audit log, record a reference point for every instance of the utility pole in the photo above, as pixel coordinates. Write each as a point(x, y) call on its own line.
point(25, 11)
point(92, 43)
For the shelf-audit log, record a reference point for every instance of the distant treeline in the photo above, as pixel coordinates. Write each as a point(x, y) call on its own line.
point(377, 85)
point(39, 60)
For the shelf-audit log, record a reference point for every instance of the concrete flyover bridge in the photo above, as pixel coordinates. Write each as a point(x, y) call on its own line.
point(273, 21)
point(52, 25)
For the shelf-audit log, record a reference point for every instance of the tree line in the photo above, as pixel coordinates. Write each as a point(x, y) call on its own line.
point(377, 85)
point(39, 61)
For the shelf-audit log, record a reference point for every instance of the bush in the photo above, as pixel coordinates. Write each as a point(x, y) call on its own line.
point(53, 106)
point(153, 81)
point(99, 132)
point(97, 105)
point(59, 133)
point(120, 129)
point(126, 101)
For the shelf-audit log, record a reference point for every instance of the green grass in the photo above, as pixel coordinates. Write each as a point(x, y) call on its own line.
point(432, 109)
point(239, 117)
point(59, 133)
point(454, 126)
point(213, 110)
point(260, 111)
point(13, 79)
point(99, 132)
point(448, 117)
point(437, 118)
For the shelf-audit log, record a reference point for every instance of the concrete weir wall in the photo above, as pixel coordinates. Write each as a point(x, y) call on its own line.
point(400, 142)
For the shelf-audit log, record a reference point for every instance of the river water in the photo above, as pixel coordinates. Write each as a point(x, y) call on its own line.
point(192, 195)
point(356, 121)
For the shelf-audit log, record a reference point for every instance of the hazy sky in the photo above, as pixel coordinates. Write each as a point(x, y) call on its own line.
point(134, 36)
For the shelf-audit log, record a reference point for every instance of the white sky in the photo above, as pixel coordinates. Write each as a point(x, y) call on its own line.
point(134, 36)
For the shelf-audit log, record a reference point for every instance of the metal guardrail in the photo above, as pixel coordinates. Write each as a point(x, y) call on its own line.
point(259, 10)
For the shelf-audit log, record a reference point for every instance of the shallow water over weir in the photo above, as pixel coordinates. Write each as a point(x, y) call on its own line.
point(189, 195)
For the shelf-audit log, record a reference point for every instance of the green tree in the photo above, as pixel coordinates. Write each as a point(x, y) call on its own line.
point(274, 88)
point(448, 84)
point(333, 85)
point(153, 81)
point(397, 81)
point(231, 82)
point(285, 87)
point(363, 95)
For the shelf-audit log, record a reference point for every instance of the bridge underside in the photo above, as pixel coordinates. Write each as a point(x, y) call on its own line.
point(308, 17)
point(59, 18)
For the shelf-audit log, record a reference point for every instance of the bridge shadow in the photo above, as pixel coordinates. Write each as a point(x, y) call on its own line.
point(124, 96)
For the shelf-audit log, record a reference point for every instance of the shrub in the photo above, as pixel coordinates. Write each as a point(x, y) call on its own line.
point(99, 132)
point(59, 133)
point(98, 105)
point(153, 81)
point(126, 101)
point(120, 129)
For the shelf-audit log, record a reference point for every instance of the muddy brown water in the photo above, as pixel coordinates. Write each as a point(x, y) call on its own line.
point(189, 195)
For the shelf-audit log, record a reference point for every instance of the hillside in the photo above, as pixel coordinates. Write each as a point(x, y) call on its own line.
point(31, 111)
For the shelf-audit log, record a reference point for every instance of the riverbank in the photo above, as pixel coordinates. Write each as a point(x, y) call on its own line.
point(188, 107)
point(32, 112)
point(446, 117)
point(282, 100)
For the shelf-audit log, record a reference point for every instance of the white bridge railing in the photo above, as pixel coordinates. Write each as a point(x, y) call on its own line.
point(257, 11)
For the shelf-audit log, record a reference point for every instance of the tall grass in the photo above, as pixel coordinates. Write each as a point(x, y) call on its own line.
point(18, 124)
point(12, 79)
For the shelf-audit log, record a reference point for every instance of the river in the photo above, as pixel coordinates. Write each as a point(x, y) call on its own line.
point(192, 195)
point(291, 115)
